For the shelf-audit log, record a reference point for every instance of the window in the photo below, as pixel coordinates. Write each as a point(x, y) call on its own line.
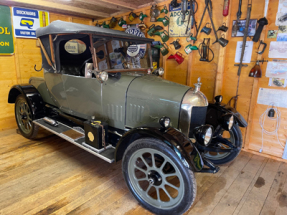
point(74, 54)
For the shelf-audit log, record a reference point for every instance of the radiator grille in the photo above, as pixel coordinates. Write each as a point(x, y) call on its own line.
point(198, 115)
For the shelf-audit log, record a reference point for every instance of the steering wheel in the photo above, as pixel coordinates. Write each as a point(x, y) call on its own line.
point(82, 71)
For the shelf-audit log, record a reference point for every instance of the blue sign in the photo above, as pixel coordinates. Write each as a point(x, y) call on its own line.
point(26, 21)
point(142, 47)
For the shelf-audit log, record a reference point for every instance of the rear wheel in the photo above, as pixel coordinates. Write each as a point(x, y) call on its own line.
point(157, 178)
point(234, 136)
point(24, 118)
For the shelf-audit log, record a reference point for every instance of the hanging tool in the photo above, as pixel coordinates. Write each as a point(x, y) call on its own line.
point(262, 22)
point(236, 25)
point(208, 8)
point(164, 10)
point(177, 56)
point(240, 65)
point(163, 35)
point(183, 10)
point(203, 50)
point(176, 44)
point(226, 7)
point(164, 20)
point(142, 16)
point(154, 13)
point(192, 14)
point(223, 28)
point(152, 29)
point(256, 71)
point(264, 47)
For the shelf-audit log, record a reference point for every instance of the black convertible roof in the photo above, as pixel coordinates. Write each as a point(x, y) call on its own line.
point(61, 27)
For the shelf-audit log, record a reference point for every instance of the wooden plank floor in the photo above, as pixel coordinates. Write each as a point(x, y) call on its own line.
point(52, 176)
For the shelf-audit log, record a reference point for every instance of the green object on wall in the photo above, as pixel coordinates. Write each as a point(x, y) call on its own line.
point(6, 31)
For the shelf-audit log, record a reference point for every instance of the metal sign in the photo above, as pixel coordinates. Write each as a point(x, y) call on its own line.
point(6, 31)
point(26, 21)
point(142, 47)
point(177, 27)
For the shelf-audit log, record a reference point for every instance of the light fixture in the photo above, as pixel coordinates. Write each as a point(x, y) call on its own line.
point(203, 134)
point(164, 121)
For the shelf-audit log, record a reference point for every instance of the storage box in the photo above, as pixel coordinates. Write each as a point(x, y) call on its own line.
point(94, 133)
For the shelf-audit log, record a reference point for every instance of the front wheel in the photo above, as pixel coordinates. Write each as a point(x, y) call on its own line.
point(24, 118)
point(234, 136)
point(157, 178)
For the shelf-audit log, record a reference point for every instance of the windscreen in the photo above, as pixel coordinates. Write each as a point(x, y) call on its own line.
point(115, 54)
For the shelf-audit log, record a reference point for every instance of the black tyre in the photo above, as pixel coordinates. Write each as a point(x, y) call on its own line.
point(235, 137)
point(24, 118)
point(157, 178)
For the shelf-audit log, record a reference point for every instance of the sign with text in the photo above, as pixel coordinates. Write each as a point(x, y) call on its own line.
point(177, 26)
point(6, 32)
point(26, 21)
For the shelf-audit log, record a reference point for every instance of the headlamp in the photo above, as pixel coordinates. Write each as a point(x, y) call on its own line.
point(164, 122)
point(159, 71)
point(227, 121)
point(103, 76)
point(203, 134)
point(218, 99)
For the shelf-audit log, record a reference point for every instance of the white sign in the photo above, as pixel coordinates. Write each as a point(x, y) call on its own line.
point(26, 21)
point(267, 96)
point(278, 50)
point(281, 17)
point(247, 52)
point(177, 26)
point(276, 69)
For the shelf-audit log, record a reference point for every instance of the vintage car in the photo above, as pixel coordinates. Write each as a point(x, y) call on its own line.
point(100, 92)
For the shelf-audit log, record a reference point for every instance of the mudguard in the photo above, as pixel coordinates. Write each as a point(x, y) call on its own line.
point(171, 137)
point(216, 110)
point(33, 97)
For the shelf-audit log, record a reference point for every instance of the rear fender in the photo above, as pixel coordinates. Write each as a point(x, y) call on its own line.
point(171, 137)
point(32, 96)
point(216, 110)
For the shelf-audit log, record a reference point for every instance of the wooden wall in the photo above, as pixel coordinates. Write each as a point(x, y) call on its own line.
point(218, 77)
point(19, 67)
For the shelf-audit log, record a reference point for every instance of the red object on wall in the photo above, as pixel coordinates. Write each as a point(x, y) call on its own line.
point(226, 7)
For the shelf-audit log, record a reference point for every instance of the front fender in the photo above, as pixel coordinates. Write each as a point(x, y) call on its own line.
point(216, 110)
point(32, 96)
point(171, 137)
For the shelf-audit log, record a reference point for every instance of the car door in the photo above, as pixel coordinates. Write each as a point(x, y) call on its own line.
point(56, 90)
point(89, 97)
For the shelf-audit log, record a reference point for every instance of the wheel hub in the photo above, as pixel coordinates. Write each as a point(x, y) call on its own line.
point(154, 178)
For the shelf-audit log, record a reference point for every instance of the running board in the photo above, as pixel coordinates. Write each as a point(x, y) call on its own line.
point(77, 137)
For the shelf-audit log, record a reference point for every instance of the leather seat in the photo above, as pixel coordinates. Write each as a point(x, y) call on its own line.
point(71, 69)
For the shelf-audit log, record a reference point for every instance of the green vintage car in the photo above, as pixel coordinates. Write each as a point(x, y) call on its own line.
point(101, 93)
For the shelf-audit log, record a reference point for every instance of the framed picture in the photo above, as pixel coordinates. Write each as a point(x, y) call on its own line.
point(241, 28)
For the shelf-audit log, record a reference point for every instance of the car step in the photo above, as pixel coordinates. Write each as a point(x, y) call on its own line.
point(77, 137)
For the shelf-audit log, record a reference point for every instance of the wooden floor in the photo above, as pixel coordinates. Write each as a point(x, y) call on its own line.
point(51, 175)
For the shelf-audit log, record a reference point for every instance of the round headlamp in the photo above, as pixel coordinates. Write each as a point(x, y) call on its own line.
point(203, 134)
point(164, 122)
point(227, 121)
point(218, 99)
point(160, 71)
point(103, 76)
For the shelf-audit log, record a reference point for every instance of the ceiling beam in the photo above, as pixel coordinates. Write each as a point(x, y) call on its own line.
point(103, 4)
point(55, 7)
point(121, 3)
